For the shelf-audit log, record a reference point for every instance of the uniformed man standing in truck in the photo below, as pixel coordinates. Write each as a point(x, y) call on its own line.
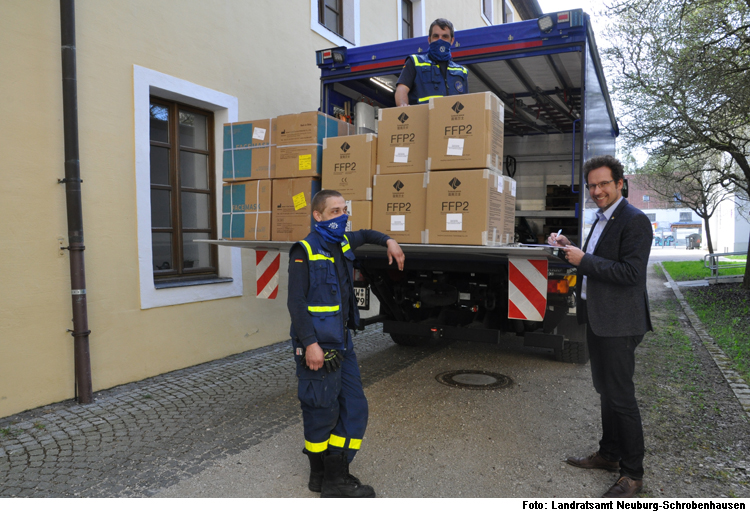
point(433, 74)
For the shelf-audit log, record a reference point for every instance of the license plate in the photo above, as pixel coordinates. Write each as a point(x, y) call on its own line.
point(363, 297)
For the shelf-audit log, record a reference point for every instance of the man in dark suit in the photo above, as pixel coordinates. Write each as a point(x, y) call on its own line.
point(613, 301)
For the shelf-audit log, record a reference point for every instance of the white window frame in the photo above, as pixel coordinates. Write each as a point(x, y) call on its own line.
point(509, 10)
point(492, 12)
point(418, 23)
point(147, 82)
point(351, 19)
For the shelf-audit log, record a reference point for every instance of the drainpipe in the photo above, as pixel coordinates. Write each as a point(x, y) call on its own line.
point(72, 183)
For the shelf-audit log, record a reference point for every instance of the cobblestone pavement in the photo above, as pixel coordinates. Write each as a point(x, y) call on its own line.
point(142, 437)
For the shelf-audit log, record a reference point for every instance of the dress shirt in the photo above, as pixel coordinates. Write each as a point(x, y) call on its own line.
point(601, 222)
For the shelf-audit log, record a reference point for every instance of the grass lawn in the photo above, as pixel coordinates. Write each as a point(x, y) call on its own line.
point(688, 270)
point(725, 311)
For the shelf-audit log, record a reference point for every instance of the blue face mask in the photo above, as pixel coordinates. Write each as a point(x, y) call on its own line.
point(440, 51)
point(333, 229)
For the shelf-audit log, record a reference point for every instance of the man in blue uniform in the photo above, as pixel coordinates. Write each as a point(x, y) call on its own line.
point(323, 308)
point(433, 74)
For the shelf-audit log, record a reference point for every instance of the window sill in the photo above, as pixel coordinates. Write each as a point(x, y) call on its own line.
point(190, 283)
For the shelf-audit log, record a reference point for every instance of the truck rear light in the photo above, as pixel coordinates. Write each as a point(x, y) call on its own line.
point(558, 286)
point(358, 275)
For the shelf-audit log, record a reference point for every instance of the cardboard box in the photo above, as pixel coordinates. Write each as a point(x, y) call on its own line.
point(349, 164)
point(246, 211)
point(300, 142)
point(360, 215)
point(466, 132)
point(292, 208)
point(466, 207)
point(249, 150)
point(402, 140)
point(399, 206)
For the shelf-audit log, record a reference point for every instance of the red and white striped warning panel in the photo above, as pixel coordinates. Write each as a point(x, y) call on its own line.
point(527, 289)
point(267, 273)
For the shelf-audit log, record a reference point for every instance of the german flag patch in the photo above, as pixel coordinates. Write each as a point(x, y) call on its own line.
point(299, 260)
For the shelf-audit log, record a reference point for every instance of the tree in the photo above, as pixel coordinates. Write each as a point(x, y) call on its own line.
point(681, 73)
point(696, 185)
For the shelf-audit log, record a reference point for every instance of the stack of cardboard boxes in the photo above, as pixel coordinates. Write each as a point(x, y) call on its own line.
point(249, 166)
point(400, 185)
point(348, 167)
point(439, 175)
point(432, 175)
point(470, 200)
point(272, 169)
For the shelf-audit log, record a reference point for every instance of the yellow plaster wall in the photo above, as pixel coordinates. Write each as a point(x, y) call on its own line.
point(260, 52)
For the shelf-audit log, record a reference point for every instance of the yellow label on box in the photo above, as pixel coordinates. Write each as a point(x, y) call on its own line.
point(305, 162)
point(299, 199)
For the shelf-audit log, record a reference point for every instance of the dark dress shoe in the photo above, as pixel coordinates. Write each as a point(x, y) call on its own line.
point(624, 488)
point(594, 461)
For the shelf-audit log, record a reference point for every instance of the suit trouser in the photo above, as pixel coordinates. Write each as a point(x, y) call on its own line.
point(612, 369)
point(334, 407)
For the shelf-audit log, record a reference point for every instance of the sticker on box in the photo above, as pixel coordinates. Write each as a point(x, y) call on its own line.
point(398, 223)
point(259, 134)
point(305, 162)
point(299, 201)
point(401, 155)
point(454, 222)
point(455, 147)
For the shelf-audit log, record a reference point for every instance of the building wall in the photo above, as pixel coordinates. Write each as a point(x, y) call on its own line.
point(729, 228)
point(258, 54)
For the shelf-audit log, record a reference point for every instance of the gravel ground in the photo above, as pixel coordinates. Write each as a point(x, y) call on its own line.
point(426, 439)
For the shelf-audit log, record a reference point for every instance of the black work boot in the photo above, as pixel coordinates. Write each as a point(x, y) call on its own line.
point(337, 482)
point(317, 469)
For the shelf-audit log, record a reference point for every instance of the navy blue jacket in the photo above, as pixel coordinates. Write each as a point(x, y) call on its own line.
point(321, 299)
point(429, 81)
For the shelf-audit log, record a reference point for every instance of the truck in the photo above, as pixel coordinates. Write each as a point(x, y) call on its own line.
point(557, 115)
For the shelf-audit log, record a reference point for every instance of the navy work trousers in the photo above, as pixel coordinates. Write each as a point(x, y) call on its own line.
point(334, 407)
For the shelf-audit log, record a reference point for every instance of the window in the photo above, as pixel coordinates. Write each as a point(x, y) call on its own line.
point(507, 13)
point(651, 217)
point(407, 19)
point(330, 15)
point(686, 216)
point(646, 198)
point(411, 19)
point(183, 200)
point(337, 21)
point(223, 108)
point(487, 6)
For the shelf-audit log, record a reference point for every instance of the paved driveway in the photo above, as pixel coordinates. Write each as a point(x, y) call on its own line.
point(233, 428)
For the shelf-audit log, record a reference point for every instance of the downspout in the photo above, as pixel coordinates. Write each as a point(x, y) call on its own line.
point(72, 182)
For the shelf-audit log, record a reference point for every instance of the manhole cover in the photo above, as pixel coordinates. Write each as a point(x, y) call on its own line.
point(474, 379)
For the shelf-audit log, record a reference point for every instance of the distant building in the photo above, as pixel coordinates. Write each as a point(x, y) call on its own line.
point(668, 217)
point(729, 226)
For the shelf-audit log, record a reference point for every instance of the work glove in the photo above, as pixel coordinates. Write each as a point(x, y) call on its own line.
point(332, 360)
